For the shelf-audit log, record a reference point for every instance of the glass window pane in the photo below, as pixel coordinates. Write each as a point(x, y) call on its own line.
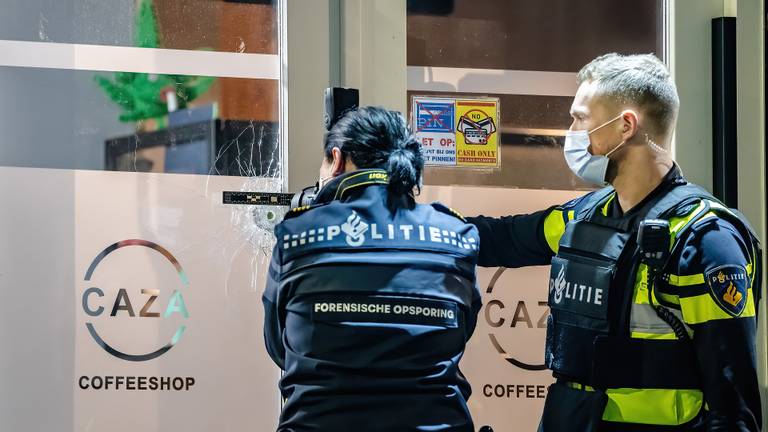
point(542, 35)
point(121, 121)
point(518, 35)
point(248, 26)
point(188, 269)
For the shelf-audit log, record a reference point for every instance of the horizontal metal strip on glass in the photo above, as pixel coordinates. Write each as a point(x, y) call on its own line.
point(141, 60)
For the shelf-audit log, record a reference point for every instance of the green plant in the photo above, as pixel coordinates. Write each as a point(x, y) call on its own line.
point(142, 96)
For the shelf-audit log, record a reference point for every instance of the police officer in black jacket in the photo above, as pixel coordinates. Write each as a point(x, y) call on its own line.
point(654, 283)
point(371, 297)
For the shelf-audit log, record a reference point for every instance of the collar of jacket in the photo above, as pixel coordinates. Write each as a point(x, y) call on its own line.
point(675, 175)
point(342, 185)
point(672, 179)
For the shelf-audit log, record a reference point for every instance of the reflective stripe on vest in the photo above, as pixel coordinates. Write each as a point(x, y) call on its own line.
point(554, 227)
point(644, 323)
point(665, 407)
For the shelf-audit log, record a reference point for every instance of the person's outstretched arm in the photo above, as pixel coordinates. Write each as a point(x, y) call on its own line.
point(524, 239)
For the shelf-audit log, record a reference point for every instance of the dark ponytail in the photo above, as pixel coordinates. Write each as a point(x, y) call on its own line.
point(404, 168)
point(374, 137)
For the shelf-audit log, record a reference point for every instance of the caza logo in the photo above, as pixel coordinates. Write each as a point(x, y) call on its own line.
point(502, 317)
point(102, 309)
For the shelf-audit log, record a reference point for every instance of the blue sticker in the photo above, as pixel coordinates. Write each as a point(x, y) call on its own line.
point(434, 117)
point(729, 286)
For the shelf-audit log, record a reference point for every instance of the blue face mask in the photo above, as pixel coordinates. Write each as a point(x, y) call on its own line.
point(590, 168)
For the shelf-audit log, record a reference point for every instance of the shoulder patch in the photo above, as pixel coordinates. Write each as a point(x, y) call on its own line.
point(729, 285)
point(443, 209)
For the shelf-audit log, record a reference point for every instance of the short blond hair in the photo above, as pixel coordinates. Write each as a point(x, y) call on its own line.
point(640, 80)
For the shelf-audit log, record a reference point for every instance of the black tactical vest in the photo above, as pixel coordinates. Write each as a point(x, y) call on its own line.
point(591, 293)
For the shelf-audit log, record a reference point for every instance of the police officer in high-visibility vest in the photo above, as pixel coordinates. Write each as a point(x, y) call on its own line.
point(371, 297)
point(654, 283)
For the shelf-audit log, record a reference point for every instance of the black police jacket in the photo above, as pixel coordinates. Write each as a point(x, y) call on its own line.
point(369, 303)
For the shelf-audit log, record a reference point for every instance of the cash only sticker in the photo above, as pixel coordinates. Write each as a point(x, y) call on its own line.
point(457, 132)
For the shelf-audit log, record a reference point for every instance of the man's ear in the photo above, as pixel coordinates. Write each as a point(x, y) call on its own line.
point(629, 121)
point(338, 162)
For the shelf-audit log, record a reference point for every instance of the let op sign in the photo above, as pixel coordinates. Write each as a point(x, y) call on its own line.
point(457, 132)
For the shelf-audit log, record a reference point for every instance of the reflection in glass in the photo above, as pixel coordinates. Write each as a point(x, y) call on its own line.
point(217, 147)
point(248, 26)
point(541, 35)
point(520, 35)
point(138, 122)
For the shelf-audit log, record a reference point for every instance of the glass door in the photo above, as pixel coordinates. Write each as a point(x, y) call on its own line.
point(130, 291)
